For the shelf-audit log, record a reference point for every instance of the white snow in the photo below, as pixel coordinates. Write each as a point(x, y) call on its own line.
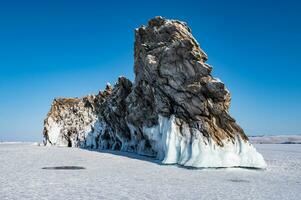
point(192, 149)
point(117, 175)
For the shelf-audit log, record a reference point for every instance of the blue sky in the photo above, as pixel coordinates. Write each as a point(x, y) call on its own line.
point(73, 48)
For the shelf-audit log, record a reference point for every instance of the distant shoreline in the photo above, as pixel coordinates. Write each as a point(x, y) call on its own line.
point(254, 139)
point(275, 139)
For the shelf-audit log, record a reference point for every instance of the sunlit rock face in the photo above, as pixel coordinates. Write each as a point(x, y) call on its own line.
point(68, 121)
point(174, 111)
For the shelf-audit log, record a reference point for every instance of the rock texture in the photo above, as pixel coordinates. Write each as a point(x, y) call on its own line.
point(174, 111)
point(68, 120)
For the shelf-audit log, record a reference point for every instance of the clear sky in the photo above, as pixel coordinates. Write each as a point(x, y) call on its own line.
point(72, 48)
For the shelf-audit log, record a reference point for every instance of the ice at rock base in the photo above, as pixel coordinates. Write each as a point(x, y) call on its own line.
point(187, 147)
point(54, 129)
point(195, 150)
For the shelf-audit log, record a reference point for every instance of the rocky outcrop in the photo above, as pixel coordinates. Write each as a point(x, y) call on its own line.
point(174, 111)
point(68, 121)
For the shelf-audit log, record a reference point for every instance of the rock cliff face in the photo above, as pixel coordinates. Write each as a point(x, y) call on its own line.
point(175, 110)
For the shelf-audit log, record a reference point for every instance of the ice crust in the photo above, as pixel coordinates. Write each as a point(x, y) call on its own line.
point(54, 129)
point(190, 148)
point(172, 145)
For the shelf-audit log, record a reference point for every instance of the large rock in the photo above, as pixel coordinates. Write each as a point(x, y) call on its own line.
point(175, 111)
point(68, 121)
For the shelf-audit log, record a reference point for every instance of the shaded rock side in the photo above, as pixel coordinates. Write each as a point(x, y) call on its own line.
point(174, 111)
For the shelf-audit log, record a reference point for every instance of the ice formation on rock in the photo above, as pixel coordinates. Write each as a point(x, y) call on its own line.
point(174, 111)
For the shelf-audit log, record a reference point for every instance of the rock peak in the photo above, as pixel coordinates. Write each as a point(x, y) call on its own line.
point(156, 21)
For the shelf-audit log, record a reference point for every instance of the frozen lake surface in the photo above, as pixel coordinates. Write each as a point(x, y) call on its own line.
point(28, 171)
point(276, 139)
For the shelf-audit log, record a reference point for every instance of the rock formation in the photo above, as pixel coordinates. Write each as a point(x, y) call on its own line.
point(175, 110)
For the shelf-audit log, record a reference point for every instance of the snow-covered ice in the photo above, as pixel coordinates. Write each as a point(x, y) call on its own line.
point(276, 139)
point(119, 175)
